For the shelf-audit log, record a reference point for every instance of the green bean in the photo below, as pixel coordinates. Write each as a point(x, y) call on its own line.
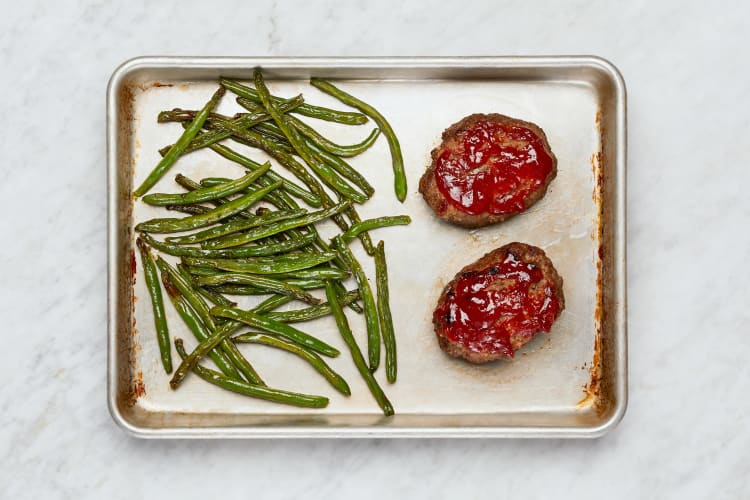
point(245, 121)
point(213, 181)
point(331, 147)
point(329, 176)
point(256, 140)
point(311, 357)
point(235, 240)
point(259, 282)
point(304, 284)
point(206, 194)
point(332, 115)
point(280, 152)
point(364, 236)
point(365, 292)
point(234, 355)
point(265, 265)
point(184, 286)
point(359, 360)
point(209, 295)
point(202, 271)
point(157, 304)
point(231, 253)
point(191, 185)
point(384, 312)
point(194, 323)
point(255, 391)
point(318, 273)
point(236, 226)
point(312, 312)
point(271, 303)
point(315, 137)
point(244, 136)
point(188, 209)
point(215, 298)
point(274, 132)
point(370, 224)
point(343, 168)
point(290, 204)
point(204, 347)
point(179, 147)
point(397, 160)
point(195, 221)
point(289, 186)
point(268, 325)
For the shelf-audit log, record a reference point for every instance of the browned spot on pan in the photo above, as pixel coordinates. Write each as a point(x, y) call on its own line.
point(592, 390)
point(138, 390)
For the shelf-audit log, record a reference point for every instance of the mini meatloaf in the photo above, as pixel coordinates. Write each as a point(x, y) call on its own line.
point(488, 168)
point(497, 304)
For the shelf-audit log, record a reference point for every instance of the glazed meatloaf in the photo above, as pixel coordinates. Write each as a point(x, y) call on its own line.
point(497, 304)
point(488, 168)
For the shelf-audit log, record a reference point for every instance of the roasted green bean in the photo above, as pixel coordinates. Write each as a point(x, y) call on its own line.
point(194, 323)
point(265, 265)
point(384, 312)
point(329, 176)
point(157, 304)
point(397, 160)
point(235, 240)
point(304, 284)
point(207, 194)
point(271, 303)
point(185, 289)
point(204, 347)
point(178, 284)
point(318, 273)
point(288, 186)
point(311, 357)
point(263, 283)
point(365, 292)
point(344, 169)
point(314, 136)
point(179, 147)
point(271, 326)
point(312, 312)
point(236, 226)
point(332, 115)
point(359, 360)
point(322, 142)
point(368, 225)
point(211, 217)
point(255, 391)
point(213, 136)
point(188, 209)
point(280, 152)
point(231, 253)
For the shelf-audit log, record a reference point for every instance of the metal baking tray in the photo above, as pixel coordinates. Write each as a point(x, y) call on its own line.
point(571, 383)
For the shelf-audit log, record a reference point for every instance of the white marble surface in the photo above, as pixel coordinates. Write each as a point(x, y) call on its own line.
point(686, 431)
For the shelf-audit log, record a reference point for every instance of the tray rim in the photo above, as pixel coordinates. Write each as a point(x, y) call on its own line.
point(497, 62)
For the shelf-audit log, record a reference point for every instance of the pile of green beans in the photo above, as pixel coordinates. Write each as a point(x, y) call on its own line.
point(258, 235)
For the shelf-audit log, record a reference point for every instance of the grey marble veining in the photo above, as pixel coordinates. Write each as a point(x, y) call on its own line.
point(686, 431)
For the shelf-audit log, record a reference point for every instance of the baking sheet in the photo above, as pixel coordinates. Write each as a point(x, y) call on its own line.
point(570, 382)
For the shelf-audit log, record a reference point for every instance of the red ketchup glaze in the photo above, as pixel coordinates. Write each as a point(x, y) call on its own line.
point(485, 307)
point(495, 167)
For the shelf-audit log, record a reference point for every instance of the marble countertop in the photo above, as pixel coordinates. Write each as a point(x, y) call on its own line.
point(685, 434)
